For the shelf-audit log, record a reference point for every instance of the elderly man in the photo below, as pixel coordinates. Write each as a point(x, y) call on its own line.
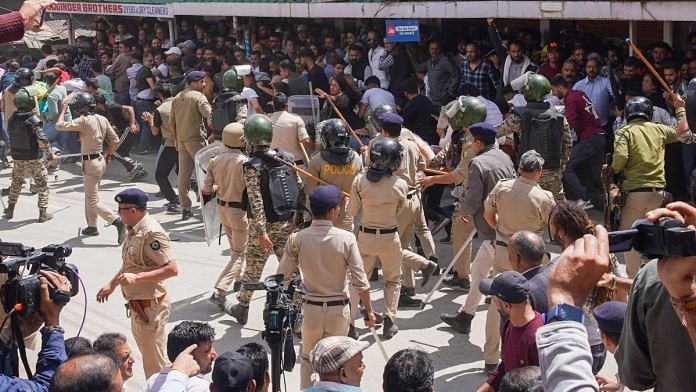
point(339, 362)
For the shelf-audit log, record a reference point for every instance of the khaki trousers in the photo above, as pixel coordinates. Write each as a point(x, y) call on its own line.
point(93, 171)
point(491, 347)
point(460, 232)
point(412, 220)
point(151, 338)
point(320, 322)
point(636, 206)
point(480, 267)
point(187, 152)
point(388, 248)
point(236, 225)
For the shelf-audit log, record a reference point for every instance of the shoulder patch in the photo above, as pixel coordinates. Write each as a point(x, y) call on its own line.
point(155, 245)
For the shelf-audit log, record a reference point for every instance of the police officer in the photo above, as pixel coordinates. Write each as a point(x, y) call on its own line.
point(455, 156)
point(24, 77)
point(542, 128)
point(190, 108)
point(94, 130)
point(29, 143)
point(325, 255)
point(225, 171)
point(289, 130)
point(229, 106)
point(377, 197)
point(639, 155)
point(147, 263)
point(273, 190)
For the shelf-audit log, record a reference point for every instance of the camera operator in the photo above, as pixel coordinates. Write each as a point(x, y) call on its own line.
point(52, 352)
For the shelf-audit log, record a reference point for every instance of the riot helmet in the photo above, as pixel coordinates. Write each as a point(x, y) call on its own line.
point(233, 135)
point(24, 77)
point(335, 135)
point(385, 156)
point(24, 100)
point(258, 130)
point(232, 81)
point(382, 108)
point(83, 104)
point(465, 111)
point(638, 107)
point(537, 88)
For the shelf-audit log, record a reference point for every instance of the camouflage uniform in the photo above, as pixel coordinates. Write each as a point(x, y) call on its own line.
point(39, 174)
point(550, 179)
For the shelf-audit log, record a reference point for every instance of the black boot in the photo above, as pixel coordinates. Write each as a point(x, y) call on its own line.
point(240, 313)
point(408, 302)
point(428, 271)
point(438, 270)
point(410, 291)
point(353, 333)
point(378, 317)
point(137, 172)
point(90, 230)
point(236, 286)
point(456, 282)
point(9, 211)
point(120, 230)
point(390, 329)
point(186, 214)
point(44, 216)
point(460, 321)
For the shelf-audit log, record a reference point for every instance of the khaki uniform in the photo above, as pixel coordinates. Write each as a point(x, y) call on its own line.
point(190, 108)
point(225, 170)
point(288, 130)
point(94, 131)
point(325, 255)
point(379, 204)
point(146, 248)
point(340, 175)
point(520, 204)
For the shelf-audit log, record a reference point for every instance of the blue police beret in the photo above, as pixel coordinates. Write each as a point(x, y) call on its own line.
point(391, 118)
point(194, 76)
point(610, 316)
point(325, 196)
point(132, 196)
point(482, 129)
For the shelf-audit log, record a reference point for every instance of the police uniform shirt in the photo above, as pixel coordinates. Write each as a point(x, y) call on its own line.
point(162, 119)
point(521, 204)
point(324, 254)
point(288, 130)
point(379, 203)
point(146, 248)
point(94, 130)
point(225, 170)
point(189, 108)
point(340, 175)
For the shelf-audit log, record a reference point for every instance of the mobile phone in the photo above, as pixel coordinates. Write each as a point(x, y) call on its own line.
point(38, 21)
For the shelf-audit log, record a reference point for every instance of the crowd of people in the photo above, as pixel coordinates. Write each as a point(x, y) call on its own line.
point(519, 127)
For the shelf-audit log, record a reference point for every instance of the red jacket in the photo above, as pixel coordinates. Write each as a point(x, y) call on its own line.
point(11, 27)
point(581, 115)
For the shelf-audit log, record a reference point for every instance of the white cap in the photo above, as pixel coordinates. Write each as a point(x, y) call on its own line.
point(173, 50)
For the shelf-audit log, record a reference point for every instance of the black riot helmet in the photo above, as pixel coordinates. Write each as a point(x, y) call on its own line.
point(382, 108)
point(335, 135)
point(83, 104)
point(638, 107)
point(385, 157)
point(24, 77)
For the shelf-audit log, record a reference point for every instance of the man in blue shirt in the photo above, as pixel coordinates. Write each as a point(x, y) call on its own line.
point(598, 89)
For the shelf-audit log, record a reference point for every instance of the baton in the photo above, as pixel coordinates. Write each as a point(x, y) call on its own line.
point(652, 69)
point(379, 343)
point(433, 171)
point(304, 153)
point(303, 172)
point(444, 273)
point(355, 135)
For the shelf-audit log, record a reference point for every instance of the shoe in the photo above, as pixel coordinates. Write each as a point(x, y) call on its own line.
point(460, 321)
point(90, 231)
point(410, 291)
point(137, 172)
point(441, 225)
point(174, 208)
point(218, 300)
point(379, 319)
point(374, 276)
point(406, 301)
point(353, 333)
point(239, 312)
point(489, 368)
point(44, 216)
point(120, 230)
point(438, 270)
point(446, 240)
point(9, 211)
point(455, 281)
point(390, 329)
point(186, 214)
point(5, 192)
point(237, 286)
point(428, 272)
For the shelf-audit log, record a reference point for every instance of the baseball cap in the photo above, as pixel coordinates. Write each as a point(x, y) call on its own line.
point(330, 354)
point(509, 286)
point(132, 196)
point(232, 371)
point(531, 161)
point(325, 196)
point(174, 50)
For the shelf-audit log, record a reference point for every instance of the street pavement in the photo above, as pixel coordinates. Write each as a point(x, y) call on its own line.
point(457, 358)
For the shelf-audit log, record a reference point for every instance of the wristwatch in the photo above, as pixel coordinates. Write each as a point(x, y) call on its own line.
point(564, 312)
point(52, 328)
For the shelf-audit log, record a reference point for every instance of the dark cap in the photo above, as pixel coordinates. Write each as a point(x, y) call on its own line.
point(232, 371)
point(482, 129)
point(325, 197)
point(510, 286)
point(194, 76)
point(531, 161)
point(610, 316)
point(132, 196)
point(390, 118)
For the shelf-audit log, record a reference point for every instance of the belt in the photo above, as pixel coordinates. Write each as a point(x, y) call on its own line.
point(501, 243)
point(410, 195)
point(146, 303)
point(647, 189)
point(89, 157)
point(233, 204)
point(299, 162)
point(378, 231)
point(341, 302)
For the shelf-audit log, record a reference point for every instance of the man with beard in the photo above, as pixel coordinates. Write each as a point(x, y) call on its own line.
point(477, 72)
point(357, 64)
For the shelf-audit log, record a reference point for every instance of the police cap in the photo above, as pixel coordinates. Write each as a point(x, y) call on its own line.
point(610, 316)
point(132, 196)
point(194, 76)
point(325, 197)
point(391, 118)
point(482, 129)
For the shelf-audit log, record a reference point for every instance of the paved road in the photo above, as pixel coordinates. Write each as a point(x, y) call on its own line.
point(457, 358)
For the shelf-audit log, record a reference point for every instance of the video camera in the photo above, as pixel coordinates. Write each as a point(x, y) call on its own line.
point(666, 237)
point(23, 288)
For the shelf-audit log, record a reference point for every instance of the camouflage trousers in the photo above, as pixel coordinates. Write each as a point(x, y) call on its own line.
point(38, 173)
point(256, 256)
point(551, 181)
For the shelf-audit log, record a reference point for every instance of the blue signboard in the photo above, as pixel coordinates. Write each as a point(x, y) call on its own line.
point(402, 30)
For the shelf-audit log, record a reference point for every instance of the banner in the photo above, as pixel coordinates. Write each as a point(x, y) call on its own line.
point(402, 30)
point(143, 10)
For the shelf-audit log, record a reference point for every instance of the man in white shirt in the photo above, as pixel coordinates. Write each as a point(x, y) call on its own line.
point(47, 53)
point(374, 55)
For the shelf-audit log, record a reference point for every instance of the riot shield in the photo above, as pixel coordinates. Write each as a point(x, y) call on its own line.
point(307, 107)
point(691, 105)
point(211, 220)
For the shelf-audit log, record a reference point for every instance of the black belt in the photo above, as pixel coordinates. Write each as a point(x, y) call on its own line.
point(410, 195)
point(89, 157)
point(378, 231)
point(647, 189)
point(501, 243)
point(299, 162)
point(341, 302)
point(234, 204)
